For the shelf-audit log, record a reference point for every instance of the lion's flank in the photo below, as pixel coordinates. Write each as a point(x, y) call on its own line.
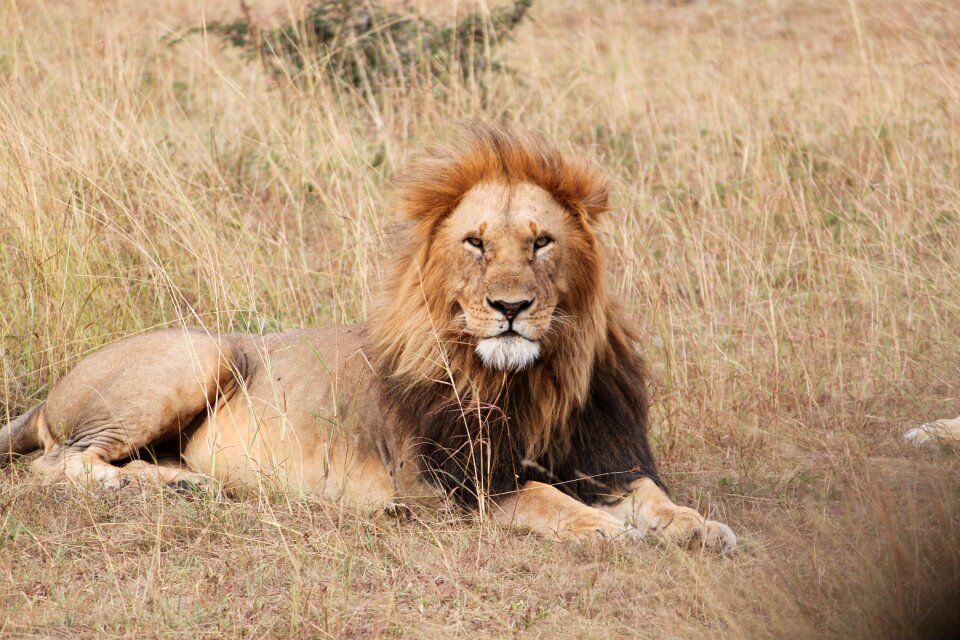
point(578, 414)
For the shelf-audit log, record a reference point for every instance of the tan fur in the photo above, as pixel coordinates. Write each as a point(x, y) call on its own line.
point(549, 512)
point(309, 411)
point(940, 432)
point(649, 509)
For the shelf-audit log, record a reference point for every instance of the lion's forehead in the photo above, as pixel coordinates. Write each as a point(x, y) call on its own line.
point(499, 209)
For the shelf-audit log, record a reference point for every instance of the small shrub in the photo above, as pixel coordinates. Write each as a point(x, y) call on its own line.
point(367, 46)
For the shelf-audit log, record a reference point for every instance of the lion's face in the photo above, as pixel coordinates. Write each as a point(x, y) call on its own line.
point(508, 249)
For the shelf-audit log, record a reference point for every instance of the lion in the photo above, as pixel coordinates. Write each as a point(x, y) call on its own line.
point(498, 374)
point(938, 432)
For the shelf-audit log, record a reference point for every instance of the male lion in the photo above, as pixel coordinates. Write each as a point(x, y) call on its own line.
point(497, 372)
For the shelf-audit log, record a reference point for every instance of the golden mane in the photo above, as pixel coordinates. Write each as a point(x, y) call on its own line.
point(435, 185)
point(429, 367)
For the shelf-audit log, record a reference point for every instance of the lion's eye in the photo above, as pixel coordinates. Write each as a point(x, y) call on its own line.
point(541, 242)
point(474, 242)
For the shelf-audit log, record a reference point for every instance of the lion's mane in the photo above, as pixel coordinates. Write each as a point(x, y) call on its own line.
point(578, 417)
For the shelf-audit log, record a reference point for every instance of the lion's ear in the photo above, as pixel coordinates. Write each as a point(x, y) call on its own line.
point(596, 201)
point(586, 191)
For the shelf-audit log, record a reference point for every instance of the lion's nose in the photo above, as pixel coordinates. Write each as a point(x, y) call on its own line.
point(510, 309)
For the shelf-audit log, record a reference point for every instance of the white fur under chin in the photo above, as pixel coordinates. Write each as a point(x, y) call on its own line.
point(508, 353)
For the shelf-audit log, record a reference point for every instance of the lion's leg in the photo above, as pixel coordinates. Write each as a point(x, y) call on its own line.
point(365, 485)
point(91, 469)
point(549, 512)
point(946, 431)
point(87, 468)
point(141, 471)
point(648, 508)
point(131, 395)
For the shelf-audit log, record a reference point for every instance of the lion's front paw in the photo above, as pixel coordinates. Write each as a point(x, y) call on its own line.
point(599, 526)
point(617, 534)
point(686, 527)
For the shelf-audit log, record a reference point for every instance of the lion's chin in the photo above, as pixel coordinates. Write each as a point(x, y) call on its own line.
point(508, 353)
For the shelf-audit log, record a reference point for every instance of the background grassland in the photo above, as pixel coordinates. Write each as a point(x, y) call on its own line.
point(786, 232)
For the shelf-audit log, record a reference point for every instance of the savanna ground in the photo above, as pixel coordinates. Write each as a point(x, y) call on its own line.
point(786, 232)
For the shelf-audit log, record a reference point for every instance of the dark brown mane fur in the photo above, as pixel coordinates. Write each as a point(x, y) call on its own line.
point(578, 417)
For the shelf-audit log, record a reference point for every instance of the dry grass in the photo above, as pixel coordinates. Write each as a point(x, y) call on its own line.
point(787, 235)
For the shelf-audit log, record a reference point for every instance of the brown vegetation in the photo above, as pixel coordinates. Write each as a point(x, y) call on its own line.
point(785, 231)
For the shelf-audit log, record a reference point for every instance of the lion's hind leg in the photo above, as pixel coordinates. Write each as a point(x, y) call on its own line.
point(82, 466)
point(90, 469)
point(138, 393)
point(168, 473)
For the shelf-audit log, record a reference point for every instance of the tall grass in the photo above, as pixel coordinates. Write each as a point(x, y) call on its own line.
point(786, 232)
